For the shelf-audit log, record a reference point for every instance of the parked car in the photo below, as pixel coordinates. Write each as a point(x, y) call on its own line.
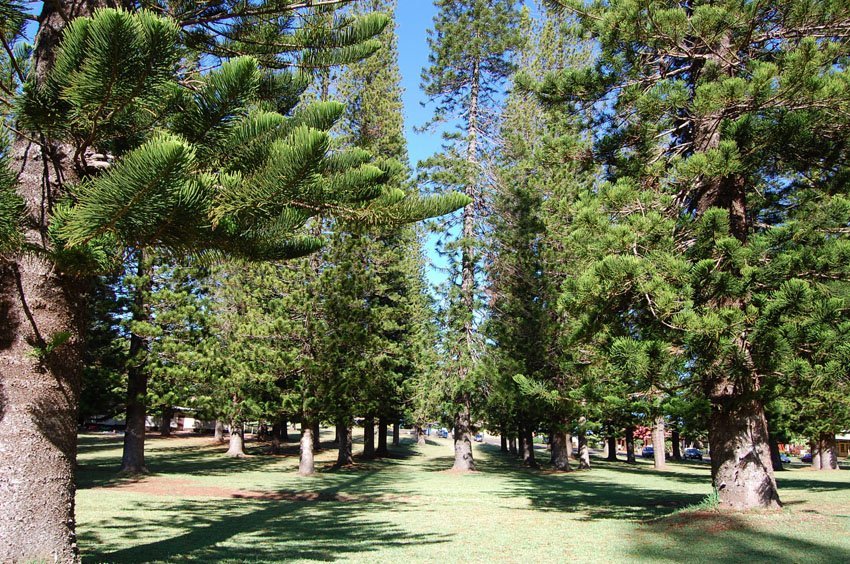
point(443, 433)
point(647, 452)
point(784, 458)
point(478, 438)
point(806, 457)
point(693, 454)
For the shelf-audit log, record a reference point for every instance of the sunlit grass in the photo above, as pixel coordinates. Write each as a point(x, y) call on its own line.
point(200, 506)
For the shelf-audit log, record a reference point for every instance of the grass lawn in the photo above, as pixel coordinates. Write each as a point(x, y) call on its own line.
point(198, 506)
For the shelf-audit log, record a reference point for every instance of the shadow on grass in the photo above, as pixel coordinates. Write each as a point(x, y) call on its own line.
point(722, 537)
point(348, 517)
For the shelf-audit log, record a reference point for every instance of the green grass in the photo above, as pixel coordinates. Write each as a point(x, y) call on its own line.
point(409, 509)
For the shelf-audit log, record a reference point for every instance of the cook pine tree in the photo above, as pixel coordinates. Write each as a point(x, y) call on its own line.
point(113, 152)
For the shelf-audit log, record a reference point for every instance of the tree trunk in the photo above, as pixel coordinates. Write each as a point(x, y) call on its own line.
point(317, 435)
point(133, 457)
point(630, 445)
point(560, 452)
point(528, 448)
point(396, 433)
point(512, 446)
point(775, 455)
point(306, 464)
point(219, 431)
point(419, 434)
point(825, 453)
point(284, 430)
point(659, 443)
point(382, 437)
point(612, 448)
point(504, 441)
point(167, 416)
point(583, 453)
point(344, 451)
point(463, 441)
point(277, 432)
point(677, 444)
point(740, 455)
point(369, 438)
point(237, 440)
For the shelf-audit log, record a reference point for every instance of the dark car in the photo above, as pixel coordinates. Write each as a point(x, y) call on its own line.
point(806, 457)
point(648, 452)
point(784, 458)
point(443, 434)
point(478, 438)
point(693, 454)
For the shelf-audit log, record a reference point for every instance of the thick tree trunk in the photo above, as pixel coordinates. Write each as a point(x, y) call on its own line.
point(236, 448)
point(630, 445)
point(419, 434)
point(583, 453)
point(512, 446)
point(740, 455)
point(775, 455)
point(560, 451)
point(396, 433)
point(677, 444)
point(369, 438)
point(306, 463)
point(612, 448)
point(528, 448)
point(463, 442)
point(219, 431)
point(277, 432)
point(825, 453)
point(344, 451)
point(316, 431)
point(167, 416)
point(381, 450)
point(504, 442)
point(659, 443)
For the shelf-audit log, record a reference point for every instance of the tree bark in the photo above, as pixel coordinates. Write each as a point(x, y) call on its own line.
point(560, 451)
point(396, 433)
point(381, 450)
point(369, 438)
point(277, 432)
point(630, 445)
point(512, 446)
point(167, 416)
point(345, 455)
point(583, 453)
point(219, 431)
point(740, 455)
point(825, 453)
point(775, 455)
point(419, 434)
point(677, 444)
point(528, 448)
point(236, 448)
point(504, 442)
point(659, 443)
point(306, 463)
point(463, 441)
point(612, 448)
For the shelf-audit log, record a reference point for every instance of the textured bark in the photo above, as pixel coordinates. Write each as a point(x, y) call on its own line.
point(167, 416)
point(528, 448)
point(419, 434)
point(677, 444)
point(560, 451)
point(284, 430)
point(612, 448)
point(381, 449)
point(740, 455)
point(825, 453)
point(396, 434)
point(369, 438)
point(463, 442)
point(659, 444)
point(219, 431)
point(277, 433)
point(630, 445)
point(306, 462)
point(236, 448)
point(583, 453)
point(344, 451)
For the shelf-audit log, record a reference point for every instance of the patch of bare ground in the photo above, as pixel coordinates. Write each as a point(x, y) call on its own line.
point(170, 487)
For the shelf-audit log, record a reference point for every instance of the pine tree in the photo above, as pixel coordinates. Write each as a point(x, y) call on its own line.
point(107, 118)
point(699, 100)
point(471, 47)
